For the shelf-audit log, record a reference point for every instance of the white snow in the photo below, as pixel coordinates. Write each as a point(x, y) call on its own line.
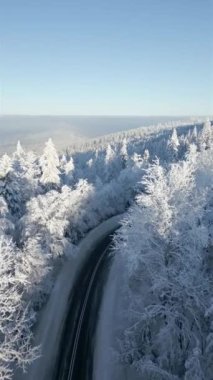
point(107, 366)
point(51, 323)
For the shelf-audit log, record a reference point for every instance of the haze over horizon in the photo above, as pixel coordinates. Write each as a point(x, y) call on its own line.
point(33, 131)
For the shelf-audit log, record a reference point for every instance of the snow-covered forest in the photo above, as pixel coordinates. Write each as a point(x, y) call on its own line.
point(166, 245)
point(164, 180)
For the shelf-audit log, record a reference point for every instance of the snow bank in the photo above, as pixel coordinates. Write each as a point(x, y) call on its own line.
point(112, 320)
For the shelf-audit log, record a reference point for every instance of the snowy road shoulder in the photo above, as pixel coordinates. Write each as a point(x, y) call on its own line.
point(112, 320)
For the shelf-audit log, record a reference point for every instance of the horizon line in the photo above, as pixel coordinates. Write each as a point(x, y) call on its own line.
point(104, 115)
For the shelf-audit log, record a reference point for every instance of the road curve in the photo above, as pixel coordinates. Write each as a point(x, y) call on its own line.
point(75, 359)
point(49, 328)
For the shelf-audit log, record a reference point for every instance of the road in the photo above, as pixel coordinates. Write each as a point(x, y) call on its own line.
point(75, 358)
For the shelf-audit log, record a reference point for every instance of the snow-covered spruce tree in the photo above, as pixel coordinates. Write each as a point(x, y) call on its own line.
point(34, 272)
point(15, 315)
point(5, 166)
point(194, 135)
point(6, 223)
point(78, 205)
point(44, 220)
point(32, 174)
point(19, 153)
point(162, 242)
point(173, 145)
point(136, 160)
point(124, 154)
point(26, 167)
point(19, 179)
point(205, 137)
point(139, 164)
point(9, 184)
point(49, 162)
point(146, 155)
point(111, 164)
point(67, 168)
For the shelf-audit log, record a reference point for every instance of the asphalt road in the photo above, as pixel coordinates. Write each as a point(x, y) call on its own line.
point(75, 358)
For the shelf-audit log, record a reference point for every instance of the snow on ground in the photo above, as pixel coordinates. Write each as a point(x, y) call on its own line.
point(112, 320)
point(51, 322)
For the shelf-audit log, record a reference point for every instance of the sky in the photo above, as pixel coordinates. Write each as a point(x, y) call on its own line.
point(112, 57)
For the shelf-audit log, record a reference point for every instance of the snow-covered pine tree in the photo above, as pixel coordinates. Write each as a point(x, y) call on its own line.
point(19, 150)
point(15, 315)
point(10, 190)
point(146, 155)
point(68, 170)
point(49, 162)
point(194, 135)
point(33, 271)
point(112, 165)
point(124, 153)
point(205, 138)
point(6, 224)
point(19, 179)
point(5, 166)
point(173, 145)
point(137, 160)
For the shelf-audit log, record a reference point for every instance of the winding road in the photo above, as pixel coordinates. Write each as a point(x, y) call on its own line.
point(75, 358)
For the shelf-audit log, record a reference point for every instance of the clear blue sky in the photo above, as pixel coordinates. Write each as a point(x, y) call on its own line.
point(144, 57)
